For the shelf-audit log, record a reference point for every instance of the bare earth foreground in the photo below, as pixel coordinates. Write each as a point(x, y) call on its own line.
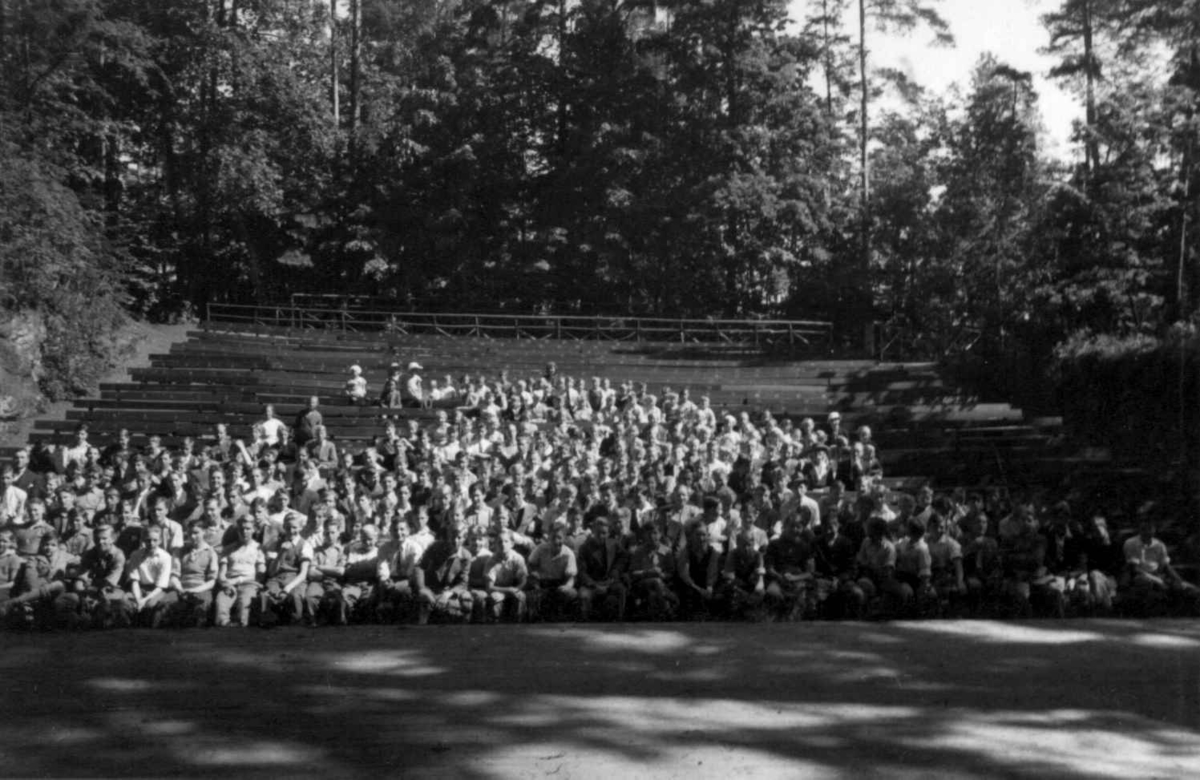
point(952, 699)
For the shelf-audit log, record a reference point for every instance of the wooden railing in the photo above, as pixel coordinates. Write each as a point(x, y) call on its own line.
point(809, 335)
point(897, 341)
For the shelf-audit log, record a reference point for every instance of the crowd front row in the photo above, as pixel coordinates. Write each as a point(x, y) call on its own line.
point(685, 562)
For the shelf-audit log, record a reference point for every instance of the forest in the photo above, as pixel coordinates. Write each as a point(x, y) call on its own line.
point(736, 158)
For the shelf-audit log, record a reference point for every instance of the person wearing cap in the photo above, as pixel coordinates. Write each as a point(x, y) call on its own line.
point(355, 388)
point(414, 390)
point(818, 470)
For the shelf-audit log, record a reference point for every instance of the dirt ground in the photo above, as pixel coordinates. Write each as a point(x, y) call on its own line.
point(932, 699)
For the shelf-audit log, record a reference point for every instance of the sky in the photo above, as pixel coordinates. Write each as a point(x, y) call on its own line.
point(1010, 29)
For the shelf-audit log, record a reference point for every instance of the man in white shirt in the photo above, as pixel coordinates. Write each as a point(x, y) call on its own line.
point(149, 573)
point(271, 426)
point(1149, 562)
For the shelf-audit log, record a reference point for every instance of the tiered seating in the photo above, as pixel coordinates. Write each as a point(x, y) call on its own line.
point(925, 426)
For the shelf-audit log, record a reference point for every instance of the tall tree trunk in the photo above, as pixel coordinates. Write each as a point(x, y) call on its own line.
point(862, 286)
point(355, 67)
point(864, 97)
point(561, 108)
point(1092, 148)
point(202, 271)
point(333, 63)
point(827, 45)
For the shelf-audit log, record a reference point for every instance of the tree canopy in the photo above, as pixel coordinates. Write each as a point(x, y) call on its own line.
point(676, 157)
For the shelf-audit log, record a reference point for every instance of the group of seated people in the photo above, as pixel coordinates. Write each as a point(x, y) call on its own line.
point(541, 506)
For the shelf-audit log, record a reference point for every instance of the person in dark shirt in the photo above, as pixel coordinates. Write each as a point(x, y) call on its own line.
point(1066, 559)
point(1027, 584)
point(1104, 563)
point(790, 568)
point(834, 555)
point(307, 422)
point(94, 596)
point(697, 569)
point(743, 589)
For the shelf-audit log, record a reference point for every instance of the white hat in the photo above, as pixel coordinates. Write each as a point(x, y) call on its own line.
point(414, 366)
point(355, 369)
point(835, 415)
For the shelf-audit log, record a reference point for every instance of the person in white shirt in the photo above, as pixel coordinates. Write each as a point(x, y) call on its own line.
point(80, 452)
point(356, 386)
point(148, 571)
point(1149, 562)
point(414, 389)
point(270, 426)
point(12, 498)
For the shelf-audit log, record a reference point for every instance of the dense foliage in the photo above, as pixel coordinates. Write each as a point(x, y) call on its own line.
point(699, 158)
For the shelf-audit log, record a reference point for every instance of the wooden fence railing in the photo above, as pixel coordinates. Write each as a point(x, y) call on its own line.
point(809, 335)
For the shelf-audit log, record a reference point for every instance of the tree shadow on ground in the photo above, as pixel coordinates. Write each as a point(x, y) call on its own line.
point(961, 698)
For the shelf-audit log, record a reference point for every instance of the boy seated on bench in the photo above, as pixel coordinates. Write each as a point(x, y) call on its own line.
point(288, 562)
point(507, 576)
point(148, 573)
point(94, 596)
point(552, 573)
point(240, 567)
point(193, 578)
point(440, 579)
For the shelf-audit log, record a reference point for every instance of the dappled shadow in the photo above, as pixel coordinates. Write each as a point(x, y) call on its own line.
point(974, 698)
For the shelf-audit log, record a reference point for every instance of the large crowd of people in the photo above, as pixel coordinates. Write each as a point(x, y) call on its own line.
point(536, 499)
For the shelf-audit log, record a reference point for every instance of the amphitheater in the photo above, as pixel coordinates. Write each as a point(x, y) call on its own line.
point(943, 698)
point(927, 426)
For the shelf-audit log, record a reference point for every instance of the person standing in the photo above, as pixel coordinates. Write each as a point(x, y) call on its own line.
point(307, 422)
